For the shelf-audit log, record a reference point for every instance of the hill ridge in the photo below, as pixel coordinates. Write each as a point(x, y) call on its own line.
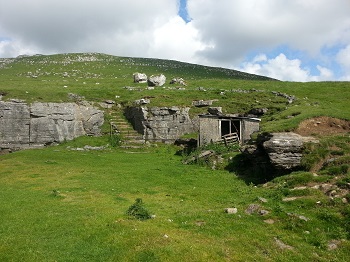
point(165, 64)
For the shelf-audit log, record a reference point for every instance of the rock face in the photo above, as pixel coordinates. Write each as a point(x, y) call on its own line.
point(280, 151)
point(164, 124)
point(284, 150)
point(39, 124)
point(156, 80)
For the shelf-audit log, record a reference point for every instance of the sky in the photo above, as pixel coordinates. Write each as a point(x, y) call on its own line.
point(290, 40)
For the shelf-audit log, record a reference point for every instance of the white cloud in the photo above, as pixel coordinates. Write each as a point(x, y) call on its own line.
point(235, 27)
point(343, 57)
point(221, 33)
point(176, 40)
point(73, 26)
point(285, 69)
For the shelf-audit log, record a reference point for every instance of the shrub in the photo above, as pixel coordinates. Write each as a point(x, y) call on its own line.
point(115, 140)
point(138, 211)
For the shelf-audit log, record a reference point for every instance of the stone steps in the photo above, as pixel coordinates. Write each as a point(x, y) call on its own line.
point(130, 138)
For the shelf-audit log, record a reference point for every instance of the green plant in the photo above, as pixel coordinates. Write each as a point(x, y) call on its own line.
point(138, 210)
point(115, 140)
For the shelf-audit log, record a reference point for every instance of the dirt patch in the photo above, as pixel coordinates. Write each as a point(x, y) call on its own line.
point(323, 126)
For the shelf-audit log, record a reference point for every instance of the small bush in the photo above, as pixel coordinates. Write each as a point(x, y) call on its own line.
point(115, 140)
point(138, 211)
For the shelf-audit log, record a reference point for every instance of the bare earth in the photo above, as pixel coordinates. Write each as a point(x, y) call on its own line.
point(323, 126)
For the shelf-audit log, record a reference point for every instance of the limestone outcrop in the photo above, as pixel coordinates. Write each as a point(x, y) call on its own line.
point(282, 151)
point(164, 124)
point(39, 124)
point(156, 80)
point(140, 78)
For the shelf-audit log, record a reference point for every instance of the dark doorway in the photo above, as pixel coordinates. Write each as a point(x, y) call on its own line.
point(230, 126)
point(225, 127)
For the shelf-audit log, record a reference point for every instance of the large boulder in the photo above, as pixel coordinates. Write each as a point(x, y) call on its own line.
point(140, 78)
point(281, 151)
point(284, 149)
point(156, 80)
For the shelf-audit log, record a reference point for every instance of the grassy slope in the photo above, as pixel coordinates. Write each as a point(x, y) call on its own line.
point(65, 205)
point(106, 76)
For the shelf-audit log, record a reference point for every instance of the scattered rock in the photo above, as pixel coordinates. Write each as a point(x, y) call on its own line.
point(252, 208)
point(258, 111)
point(269, 221)
point(142, 101)
point(87, 147)
point(290, 98)
point(263, 200)
point(178, 80)
point(199, 223)
point(202, 103)
point(298, 216)
point(333, 244)
point(75, 97)
point(215, 111)
point(263, 212)
point(282, 245)
point(107, 104)
point(231, 210)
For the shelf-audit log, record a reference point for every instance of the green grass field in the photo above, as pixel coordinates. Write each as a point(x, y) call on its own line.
point(60, 204)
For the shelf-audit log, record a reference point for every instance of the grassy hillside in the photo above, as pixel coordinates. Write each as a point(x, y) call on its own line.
point(63, 203)
point(98, 77)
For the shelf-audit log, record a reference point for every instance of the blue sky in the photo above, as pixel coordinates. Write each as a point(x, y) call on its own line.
point(299, 40)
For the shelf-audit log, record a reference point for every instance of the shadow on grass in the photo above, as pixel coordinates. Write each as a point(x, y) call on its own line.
point(252, 172)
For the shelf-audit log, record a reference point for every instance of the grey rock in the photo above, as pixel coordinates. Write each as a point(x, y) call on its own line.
point(215, 111)
point(231, 210)
point(263, 212)
point(26, 126)
point(282, 245)
point(156, 80)
point(202, 103)
point(258, 111)
point(284, 150)
point(163, 124)
point(140, 78)
point(178, 80)
point(252, 208)
point(107, 104)
point(142, 101)
point(290, 98)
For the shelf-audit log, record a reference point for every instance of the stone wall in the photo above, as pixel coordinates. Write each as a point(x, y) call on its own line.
point(161, 123)
point(39, 124)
